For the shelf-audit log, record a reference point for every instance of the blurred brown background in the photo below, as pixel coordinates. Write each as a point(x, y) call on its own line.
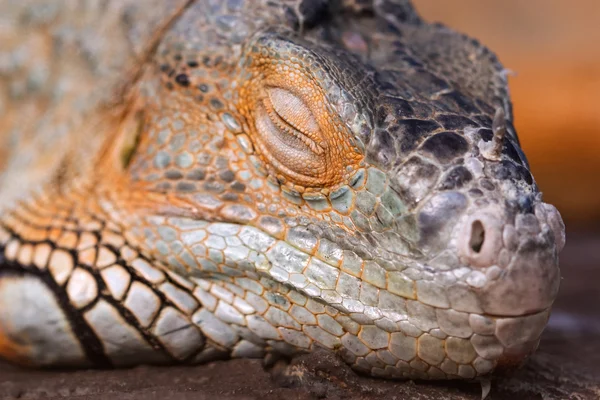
point(553, 46)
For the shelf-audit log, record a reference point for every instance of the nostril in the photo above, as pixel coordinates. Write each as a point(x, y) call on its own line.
point(480, 239)
point(477, 236)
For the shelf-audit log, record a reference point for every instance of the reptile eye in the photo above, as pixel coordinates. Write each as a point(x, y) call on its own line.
point(299, 137)
point(289, 136)
point(292, 110)
point(291, 116)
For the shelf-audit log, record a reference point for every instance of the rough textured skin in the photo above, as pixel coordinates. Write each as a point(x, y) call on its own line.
point(191, 181)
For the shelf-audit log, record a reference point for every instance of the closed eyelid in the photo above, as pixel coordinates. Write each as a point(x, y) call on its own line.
point(298, 133)
point(293, 110)
point(285, 126)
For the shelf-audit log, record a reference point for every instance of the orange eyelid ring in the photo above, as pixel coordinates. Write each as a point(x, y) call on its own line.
point(296, 134)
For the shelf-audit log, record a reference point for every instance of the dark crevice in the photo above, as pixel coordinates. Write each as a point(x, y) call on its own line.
point(477, 236)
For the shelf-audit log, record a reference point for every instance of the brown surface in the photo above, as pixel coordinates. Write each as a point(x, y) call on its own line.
point(552, 48)
point(567, 364)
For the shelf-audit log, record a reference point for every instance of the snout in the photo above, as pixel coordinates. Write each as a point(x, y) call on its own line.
point(518, 259)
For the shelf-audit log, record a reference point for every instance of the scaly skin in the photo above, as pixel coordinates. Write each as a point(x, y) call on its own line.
point(234, 178)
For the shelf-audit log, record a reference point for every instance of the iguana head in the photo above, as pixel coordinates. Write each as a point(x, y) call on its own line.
point(363, 161)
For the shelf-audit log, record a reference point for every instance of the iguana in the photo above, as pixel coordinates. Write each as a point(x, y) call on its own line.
point(183, 181)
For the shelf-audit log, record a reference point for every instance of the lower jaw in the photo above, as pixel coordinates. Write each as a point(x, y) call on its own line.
point(520, 337)
point(496, 352)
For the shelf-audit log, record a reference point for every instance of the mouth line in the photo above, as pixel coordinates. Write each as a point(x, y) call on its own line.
point(529, 314)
